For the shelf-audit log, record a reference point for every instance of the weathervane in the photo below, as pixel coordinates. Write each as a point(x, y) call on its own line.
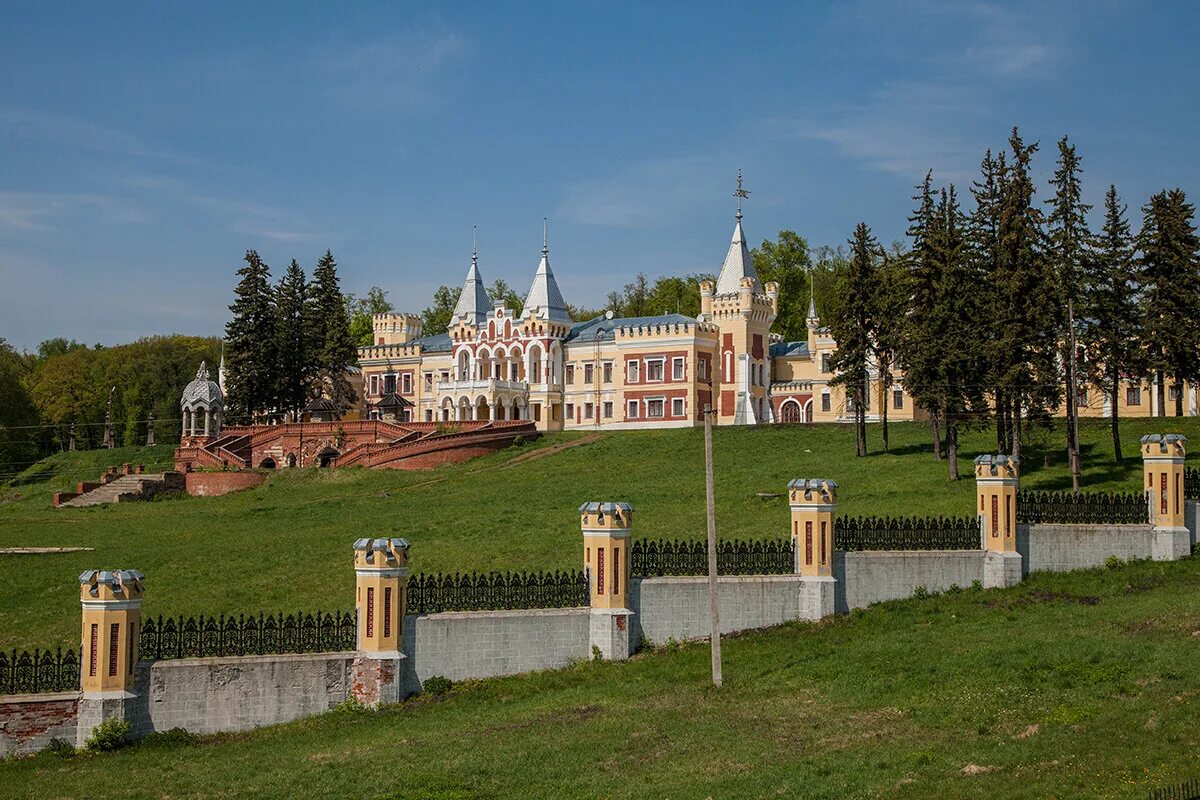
point(740, 194)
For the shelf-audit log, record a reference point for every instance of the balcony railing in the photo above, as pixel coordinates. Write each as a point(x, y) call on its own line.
point(482, 384)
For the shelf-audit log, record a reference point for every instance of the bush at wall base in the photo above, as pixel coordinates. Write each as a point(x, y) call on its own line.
point(60, 747)
point(436, 684)
point(112, 734)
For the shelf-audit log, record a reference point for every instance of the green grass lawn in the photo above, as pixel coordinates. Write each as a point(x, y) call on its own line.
point(286, 544)
point(1080, 685)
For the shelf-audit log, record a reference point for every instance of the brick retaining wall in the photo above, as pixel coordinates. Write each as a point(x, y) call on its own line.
point(29, 721)
point(214, 484)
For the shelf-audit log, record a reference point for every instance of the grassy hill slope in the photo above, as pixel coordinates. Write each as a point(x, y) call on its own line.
point(1079, 685)
point(286, 545)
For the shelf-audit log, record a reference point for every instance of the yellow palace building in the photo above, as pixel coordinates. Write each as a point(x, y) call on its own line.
point(634, 372)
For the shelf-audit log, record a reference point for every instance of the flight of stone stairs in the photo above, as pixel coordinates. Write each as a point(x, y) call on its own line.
point(126, 487)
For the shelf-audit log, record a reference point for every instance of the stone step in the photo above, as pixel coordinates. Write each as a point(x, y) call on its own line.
point(108, 493)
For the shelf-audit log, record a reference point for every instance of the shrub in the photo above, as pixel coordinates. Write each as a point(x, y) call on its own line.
point(111, 734)
point(976, 584)
point(175, 737)
point(596, 654)
point(437, 684)
point(59, 747)
point(349, 707)
point(920, 593)
point(1112, 562)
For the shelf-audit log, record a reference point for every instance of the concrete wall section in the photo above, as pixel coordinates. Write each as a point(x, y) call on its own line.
point(481, 644)
point(1060, 548)
point(1191, 510)
point(208, 695)
point(29, 721)
point(873, 576)
point(677, 607)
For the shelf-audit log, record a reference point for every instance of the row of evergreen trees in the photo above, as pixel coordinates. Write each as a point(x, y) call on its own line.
point(287, 342)
point(982, 311)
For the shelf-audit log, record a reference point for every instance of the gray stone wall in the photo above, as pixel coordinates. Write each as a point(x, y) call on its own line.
point(207, 695)
point(1060, 548)
point(874, 576)
point(1190, 511)
point(677, 607)
point(29, 721)
point(482, 644)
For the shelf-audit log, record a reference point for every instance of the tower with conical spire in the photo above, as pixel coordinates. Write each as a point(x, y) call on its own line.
point(744, 309)
point(544, 302)
point(474, 305)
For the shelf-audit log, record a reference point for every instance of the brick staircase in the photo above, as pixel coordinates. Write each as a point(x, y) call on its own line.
point(126, 487)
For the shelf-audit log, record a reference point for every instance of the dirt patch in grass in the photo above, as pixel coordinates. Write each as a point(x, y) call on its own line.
point(548, 451)
point(1143, 583)
point(569, 715)
point(1039, 596)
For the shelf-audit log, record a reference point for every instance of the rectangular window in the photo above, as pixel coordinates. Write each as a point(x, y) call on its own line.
point(654, 370)
point(429, 415)
point(570, 373)
point(1081, 396)
point(995, 516)
point(702, 369)
point(444, 377)
point(387, 611)
point(389, 384)
point(589, 411)
point(654, 408)
point(374, 384)
point(633, 371)
point(429, 381)
point(825, 362)
point(608, 372)
point(370, 612)
point(93, 650)
point(826, 402)
point(677, 409)
point(677, 368)
point(808, 542)
point(406, 383)
point(824, 549)
point(571, 411)
point(632, 410)
point(608, 410)
point(599, 570)
point(1133, 396)
point(897, 398)
point(114, 631)
point(616, 570)
point(1173, 392)
point(589, 373)
point(1162, 483)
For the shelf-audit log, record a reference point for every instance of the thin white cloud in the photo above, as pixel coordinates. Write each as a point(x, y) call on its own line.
point(649, 194)
point(45, 211)
point(400, 69)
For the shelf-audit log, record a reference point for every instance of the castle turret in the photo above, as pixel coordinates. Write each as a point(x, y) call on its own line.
point(474, 304)
point(544, 300)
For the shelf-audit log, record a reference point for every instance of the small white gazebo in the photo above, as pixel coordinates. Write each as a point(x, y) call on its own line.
point(202, 405)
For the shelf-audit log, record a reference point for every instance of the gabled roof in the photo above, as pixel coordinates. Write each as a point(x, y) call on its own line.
point(601, 328)
point(435, 343)
point(737, 264)
point(789, 350)
point(392, 400)
point(473, 304)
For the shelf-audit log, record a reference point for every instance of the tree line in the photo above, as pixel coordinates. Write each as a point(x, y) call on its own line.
point(997, 313)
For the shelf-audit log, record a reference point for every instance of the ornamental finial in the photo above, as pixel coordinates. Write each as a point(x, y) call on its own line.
point(740, 194)
point(202, 373)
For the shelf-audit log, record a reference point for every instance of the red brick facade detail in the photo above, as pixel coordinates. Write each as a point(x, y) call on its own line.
point(214, 484)
point(727, 404)
point(667, 394)
point(33, 722)
point(756, 347)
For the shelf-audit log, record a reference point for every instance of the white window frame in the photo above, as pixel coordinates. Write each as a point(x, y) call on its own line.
point(678, 407)
point(649, 401)
point(589, 373)
point(1134, 392)
point(678, 368)
point(429, 381)
point(631, 409)
point(661, 363)
point(406, 383)
point(571, 412)
point(826, 402)
point(374, 385)
point(589, 411)
point(701, 369)
point(635, 371)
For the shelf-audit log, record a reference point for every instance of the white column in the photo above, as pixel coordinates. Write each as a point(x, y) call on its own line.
point(207, 419)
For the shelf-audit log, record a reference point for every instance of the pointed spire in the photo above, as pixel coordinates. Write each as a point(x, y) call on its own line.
point(221, 369)
point(812, 297)
point(473, 305)
point(544, 299)
point(737, 261)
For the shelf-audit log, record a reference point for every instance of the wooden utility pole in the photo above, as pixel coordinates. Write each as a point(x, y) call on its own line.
point(1072, 408)
point(714, 616)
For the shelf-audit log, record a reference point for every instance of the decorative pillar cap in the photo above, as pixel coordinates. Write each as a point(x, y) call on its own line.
point(989, 465)
point(112, 585)
point(620, 511)
point(1164, 442)
point(825, 488)
point(394, 551)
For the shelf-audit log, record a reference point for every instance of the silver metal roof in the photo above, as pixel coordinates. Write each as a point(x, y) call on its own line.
point(737, 265)
point(474, 304)
point(202, 391)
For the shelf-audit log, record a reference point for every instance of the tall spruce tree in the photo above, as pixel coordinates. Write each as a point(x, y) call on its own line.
point(891, 303)
point(1027, 360)
point(292, 331)
point(984, 240)
point(250, 353)
point(1111, 319)
point(335, 352)
point(1069, 250)
point(1171, 270)
point(853, 327)
point(920, 343)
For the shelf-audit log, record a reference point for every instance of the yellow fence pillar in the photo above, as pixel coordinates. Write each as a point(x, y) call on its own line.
point(606, 528)
point(813, 502)
point(112, 618)
point(1162, 467)
point(381, 582)
point(997, 478)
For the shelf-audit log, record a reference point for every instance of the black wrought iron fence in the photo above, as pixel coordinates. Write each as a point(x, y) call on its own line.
point(906, 533)
point(39, 671)
point(1087, 508)
point(651, 557)
point(434, 593)
point(1191, 483)
point(264, 634)
point(1188, 790)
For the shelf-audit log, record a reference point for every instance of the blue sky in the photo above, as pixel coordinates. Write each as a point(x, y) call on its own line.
point(144, 148)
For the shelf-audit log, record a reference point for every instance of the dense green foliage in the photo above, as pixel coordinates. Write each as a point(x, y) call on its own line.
point(361, 311)
point(334, 351)
point(251, 357)
point(471, 516)
point(1075, 685)
point(854, 328)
